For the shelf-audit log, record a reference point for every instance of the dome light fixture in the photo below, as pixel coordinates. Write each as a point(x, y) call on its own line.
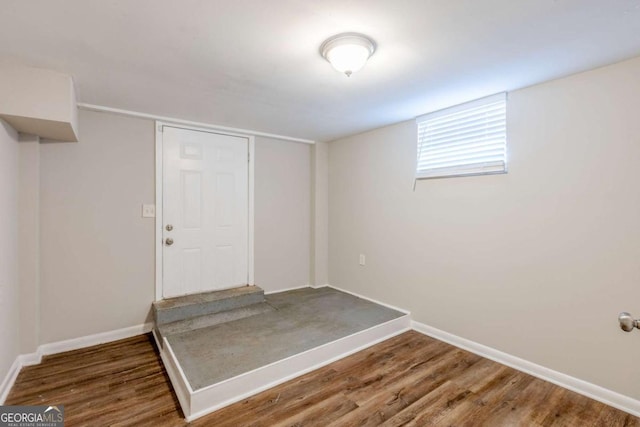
point(347, 52)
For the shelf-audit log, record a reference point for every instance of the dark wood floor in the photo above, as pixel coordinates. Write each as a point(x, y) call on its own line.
point(410, 380)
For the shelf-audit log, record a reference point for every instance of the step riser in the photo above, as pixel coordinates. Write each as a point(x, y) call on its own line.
point(211, 319)
point(202, 309)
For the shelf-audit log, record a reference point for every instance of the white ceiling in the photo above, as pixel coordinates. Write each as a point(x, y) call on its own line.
point(255, 64)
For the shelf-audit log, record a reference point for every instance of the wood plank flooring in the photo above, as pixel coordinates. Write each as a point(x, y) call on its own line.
point(409, 380)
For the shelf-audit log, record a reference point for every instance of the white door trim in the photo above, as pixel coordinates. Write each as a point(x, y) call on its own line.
point(159, 191)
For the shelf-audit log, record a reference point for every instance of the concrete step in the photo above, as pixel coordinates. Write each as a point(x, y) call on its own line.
point(191, 306)
point(190, 324)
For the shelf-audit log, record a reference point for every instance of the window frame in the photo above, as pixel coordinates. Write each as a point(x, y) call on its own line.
point(492, 167)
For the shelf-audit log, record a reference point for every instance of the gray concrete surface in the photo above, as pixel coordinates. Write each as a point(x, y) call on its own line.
point(180, 308)
point(192, 323)
point(303, 319)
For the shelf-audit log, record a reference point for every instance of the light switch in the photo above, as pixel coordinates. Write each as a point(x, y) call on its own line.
point(148, 211)
point(362, 259)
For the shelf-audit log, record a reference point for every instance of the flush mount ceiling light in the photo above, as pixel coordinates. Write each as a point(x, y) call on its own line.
point(347, 52)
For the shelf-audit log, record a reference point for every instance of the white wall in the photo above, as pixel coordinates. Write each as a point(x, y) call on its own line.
point(319, 214)
point(39, 101)
point(97, 253)
point(29, 242)
point(282, 214)
point(9, 293)
point(536, 263)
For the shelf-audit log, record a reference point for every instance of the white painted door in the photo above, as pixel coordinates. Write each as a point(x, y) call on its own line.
point(205, 211)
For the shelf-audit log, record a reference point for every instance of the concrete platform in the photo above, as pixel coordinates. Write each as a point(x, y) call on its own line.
point(189, 306)
point(218, 365)
point(302, 319)
point(199, 322)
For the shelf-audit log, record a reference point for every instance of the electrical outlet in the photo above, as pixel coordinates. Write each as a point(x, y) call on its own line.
point(148, 211)
point(362, 259)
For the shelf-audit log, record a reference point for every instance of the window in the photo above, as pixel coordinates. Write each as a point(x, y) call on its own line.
point(468, 139)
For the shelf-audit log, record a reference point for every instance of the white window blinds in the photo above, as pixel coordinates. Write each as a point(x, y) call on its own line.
point(468, 139)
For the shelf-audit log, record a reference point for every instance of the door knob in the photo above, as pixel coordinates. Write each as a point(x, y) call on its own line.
point(627, 322)
point(168, 241)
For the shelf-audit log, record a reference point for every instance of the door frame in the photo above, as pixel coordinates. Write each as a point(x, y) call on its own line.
point(159, 192)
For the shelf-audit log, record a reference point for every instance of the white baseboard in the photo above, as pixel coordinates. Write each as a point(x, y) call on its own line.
point(9, 380)
point(95, 339)
point(217, 396)
point(66, 345)
point(601, 394)
point(401, 310)
point(177, 377)
point(30, 359)
point(197, 403)
point(295, 288)
point(326, 285)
